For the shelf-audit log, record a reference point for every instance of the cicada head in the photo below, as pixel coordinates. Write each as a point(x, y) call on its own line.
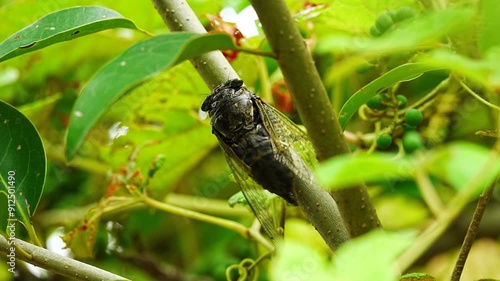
point(231, 107)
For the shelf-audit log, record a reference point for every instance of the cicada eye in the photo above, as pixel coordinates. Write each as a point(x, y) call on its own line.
point(206, 105)
point(234, 83)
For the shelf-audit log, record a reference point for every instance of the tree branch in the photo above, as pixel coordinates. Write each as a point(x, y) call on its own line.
point(314, 107)
point(322, 212)
point(178, 16)
point(56, 263)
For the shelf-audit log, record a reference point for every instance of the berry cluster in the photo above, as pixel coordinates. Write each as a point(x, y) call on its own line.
point(387, 20)
point(381, 104)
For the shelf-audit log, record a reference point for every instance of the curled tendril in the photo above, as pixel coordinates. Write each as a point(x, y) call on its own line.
point(247, 270)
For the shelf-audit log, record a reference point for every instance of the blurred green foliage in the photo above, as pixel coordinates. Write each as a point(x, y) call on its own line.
point(161, 117)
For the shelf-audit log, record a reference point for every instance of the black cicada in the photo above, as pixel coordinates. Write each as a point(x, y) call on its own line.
point(262, 146)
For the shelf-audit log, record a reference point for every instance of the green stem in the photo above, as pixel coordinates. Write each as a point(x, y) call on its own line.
point(32, 234)
point(314, 107)
point(257, 52)
point(214, 207)
point(426, 100)
point(428, 192)
point(480, 99)
point(228, 224)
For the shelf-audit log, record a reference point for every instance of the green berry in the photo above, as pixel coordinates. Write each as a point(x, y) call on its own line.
point(402, 101)
point(383, 22)
point(392, 14)
point(412, 141)
point(379, 102)
point(375, 102)
point(403, 13)
point(384, 140)
point(374, 31)
point(413, 117)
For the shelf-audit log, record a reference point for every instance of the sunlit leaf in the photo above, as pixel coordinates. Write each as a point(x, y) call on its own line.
point(484, 71)
point(348, 170)
point(410, 35)
point(133, 67)
point(193, 146)
point(401, 73)
point(490, 24)
point(297, 261)
point(22, 166)
point(63, 25)
point(377, 251)
point(456, 164)
point(40, 111)
point(350, 16)
point(460, 163)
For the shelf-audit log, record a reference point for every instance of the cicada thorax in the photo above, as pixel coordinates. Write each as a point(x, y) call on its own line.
point(237, 121)
point(255, 149)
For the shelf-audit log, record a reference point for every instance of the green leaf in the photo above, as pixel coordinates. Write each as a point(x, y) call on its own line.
point(195, 144)
point(484, 71)
point(296, 261)
point(490, 24)
point(456, 164)
point(460, 163)
point(133, 67)
point(22, 166)
point(62, 26)
point(410, 35)
point(401, 73)
point(377, 251)
point(348, 170)
point(354, 17)
point(40, 110)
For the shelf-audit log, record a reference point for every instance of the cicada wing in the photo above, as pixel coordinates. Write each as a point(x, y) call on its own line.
point(287, 135)
point(267, 212)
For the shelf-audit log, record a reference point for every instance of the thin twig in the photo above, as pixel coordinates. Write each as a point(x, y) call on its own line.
point(228, 224)
point(471, 233)
point(428, 192)
point(257, 52)
point(480, 99)
point(313, 105)
point(56, 263)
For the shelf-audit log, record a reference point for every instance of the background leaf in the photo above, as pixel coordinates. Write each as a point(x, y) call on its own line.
point(410, 35)
point(61, 26)
point(488, 34)
point(295, 261)
point(484, 71)
point(387, 245)
point(347, 170)
point(23, 153)
point(459, 163)
point(136, 65)
point(455, 164)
